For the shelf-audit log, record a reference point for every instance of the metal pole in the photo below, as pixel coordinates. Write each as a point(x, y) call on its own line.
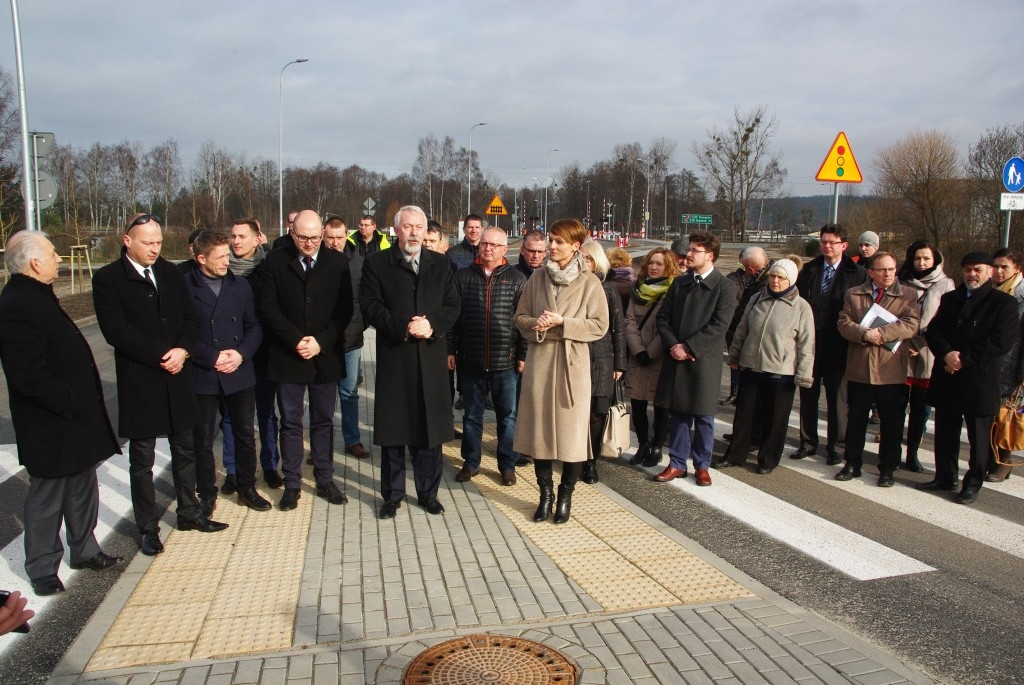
point(28, 185)
point(469, 169)
point(280, 142)
point(547, 178)
point(647, 203)
point(1006, 230)
point(835, 203)
point(35, 193)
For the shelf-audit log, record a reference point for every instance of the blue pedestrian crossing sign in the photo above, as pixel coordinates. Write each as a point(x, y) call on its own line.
point(1012, 173)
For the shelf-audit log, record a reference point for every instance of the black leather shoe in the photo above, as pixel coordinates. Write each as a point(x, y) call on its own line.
point(230, 485)
point(848, 473)
point(803, 452)
point(389, 509)
point(937, 485)
point(207, 505)
point(432, 506)
point(289, 500)
point(250, 498)
point(522, 461)
point(465, 474)
point(885, 480)
point(47, 585)
point(100, 562)
point(202, 524)
point(654, 456)
point(723, 464)
point(273, 479)
point(331, 493)
point(967, 497)
point(833, 459)
point(151, 545)
point(765, 469)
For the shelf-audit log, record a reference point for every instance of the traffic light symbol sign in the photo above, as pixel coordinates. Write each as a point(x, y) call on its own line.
point(840, 166)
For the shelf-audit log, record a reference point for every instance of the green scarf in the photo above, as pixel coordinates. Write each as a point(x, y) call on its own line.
point(648, 290)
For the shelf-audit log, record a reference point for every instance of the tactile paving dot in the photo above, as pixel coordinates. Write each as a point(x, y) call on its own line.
point(490, 659)
point(239, 635)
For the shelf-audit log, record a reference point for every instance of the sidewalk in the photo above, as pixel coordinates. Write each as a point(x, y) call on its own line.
point(330, 594)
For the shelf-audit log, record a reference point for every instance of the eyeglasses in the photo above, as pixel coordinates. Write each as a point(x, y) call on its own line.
point(890, 270)
point(833, 243)
point(491, 246)
point(534, 251)
point(693, 251)
point(142, 219)
point(308, 239)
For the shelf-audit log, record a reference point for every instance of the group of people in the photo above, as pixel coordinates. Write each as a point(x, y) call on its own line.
point(255, 336)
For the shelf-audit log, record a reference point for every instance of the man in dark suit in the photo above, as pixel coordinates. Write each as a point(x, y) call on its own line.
point(974, 326)
point(60, 421)
point(222, 367)
point(305, 305)
point(692, 323)
point(408, 294)
point(144, 312)
point(823, 282)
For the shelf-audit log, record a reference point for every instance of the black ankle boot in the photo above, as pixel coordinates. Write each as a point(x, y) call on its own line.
point(564, 504)
point(653, 457)
point(913, 464)
point(589, 473)
point(542, 468)
point(732, 396)
point(641, 454)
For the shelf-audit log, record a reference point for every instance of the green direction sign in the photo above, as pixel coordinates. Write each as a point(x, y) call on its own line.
point(696, 219)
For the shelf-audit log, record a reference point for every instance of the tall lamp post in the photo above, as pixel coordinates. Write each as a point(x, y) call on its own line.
point(469, 170)
point(280, 141)
point(547, 182)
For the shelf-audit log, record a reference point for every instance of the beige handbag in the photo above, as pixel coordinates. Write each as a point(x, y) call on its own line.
point(615, 437)
point(1007, 432)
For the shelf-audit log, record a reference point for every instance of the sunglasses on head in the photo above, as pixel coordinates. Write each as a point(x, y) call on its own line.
point(142, 219)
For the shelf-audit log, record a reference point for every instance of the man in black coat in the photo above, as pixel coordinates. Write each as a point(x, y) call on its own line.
point(974, 326)
point(222, 368)
point(144, 312)
point(305, 305)
point(60, 421)
point(532, 252)
point(823, 282)
point(408, 294)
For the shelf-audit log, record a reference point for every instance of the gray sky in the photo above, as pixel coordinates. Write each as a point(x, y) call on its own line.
point(577, 76)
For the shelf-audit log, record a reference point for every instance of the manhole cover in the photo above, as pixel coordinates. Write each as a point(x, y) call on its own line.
point(489, 659)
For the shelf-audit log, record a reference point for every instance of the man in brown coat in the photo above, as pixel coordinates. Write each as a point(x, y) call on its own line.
point(876, 364)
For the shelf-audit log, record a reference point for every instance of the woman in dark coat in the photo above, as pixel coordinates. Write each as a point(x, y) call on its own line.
point(607, 357)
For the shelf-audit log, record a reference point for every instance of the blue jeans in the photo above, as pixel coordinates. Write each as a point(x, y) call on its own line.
point(348, 397)
point(681, 446)
point(474, 395)
point(229, 439)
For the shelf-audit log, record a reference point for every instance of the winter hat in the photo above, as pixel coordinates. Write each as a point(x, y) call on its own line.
point(787, 267)
point(868, 238)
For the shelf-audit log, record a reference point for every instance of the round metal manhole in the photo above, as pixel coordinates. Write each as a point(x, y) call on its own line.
point(489, 659)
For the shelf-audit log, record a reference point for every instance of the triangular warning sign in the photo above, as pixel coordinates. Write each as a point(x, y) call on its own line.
point(496, 208)
point(839, 165)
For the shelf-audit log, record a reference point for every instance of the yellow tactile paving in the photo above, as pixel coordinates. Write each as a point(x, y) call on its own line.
point(616, 557)
point(232, 592)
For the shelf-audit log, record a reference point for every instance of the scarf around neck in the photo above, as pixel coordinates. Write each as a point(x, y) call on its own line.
point(1009, 286)
point(241, 266)
point(648, 290)
point(563, 277)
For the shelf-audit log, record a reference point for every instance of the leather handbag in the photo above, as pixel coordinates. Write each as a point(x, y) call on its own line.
point(1007, 432)
point(615, 436)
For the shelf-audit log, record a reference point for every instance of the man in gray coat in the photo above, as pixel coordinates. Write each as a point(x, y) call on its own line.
point(692, 323)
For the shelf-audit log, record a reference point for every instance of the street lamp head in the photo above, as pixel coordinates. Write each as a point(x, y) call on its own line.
point(301, 60)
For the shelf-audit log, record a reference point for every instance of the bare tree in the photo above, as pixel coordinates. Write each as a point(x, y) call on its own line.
point(93, 171)
point(11, 204)
point(984, 168)
point(633, 166)
point(426, 171)
point(739, 166)
point(213, 170)
point(659, 154)
point(126, 161)
point(161, 176)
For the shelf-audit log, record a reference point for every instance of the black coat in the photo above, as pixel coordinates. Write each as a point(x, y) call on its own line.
point(413, 404)
point(353, 335)
point(829, 346)
point(56, 395)
point(982, 328)
point(293, 306)
point(609, 354)
point(485, 338)
point(142, 325)
point(226, 322)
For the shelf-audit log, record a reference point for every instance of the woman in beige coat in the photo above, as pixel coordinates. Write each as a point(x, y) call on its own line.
point(657, 270)
point(562, 308)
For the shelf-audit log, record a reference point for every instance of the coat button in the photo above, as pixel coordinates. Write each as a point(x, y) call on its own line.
point(213, 322)
point(215, 341)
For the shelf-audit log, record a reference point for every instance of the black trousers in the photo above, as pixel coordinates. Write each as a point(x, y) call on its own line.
point(891, 401)
point(835, 400)
point(762, 411)
point(73, 500)
point(426, 471)
point(322, 400)
point(141, 456)
point(241, 408)
point(947, 447)
point(917, 421)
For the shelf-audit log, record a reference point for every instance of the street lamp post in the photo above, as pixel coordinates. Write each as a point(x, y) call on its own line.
point(547, 182)
point(280, 141)
point(469, 169)
point(588, 205)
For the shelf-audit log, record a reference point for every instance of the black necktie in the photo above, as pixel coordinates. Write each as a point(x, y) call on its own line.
point(698, 279)
point(149, 278)
point(307, 265)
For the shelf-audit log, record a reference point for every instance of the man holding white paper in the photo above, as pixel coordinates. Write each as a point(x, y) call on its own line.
point(877, 316)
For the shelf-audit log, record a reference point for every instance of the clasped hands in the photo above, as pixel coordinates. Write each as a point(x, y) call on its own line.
point(548, 320)
point(419, 327)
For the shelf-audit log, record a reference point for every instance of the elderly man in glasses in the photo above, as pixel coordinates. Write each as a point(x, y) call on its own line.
point(144, 311)
point(305, 305)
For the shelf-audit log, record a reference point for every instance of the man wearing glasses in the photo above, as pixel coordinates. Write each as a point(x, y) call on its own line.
point(532, 252)
point(823, 282)
point(305, 305)
point(490, 351)
point(367, 239)
point(876, 366)
point(146, 315)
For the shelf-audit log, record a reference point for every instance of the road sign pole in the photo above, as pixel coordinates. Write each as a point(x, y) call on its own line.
point(835, 202)
point(1006, 230)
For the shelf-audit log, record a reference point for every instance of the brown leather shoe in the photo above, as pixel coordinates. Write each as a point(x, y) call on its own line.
point(508, 478)
point(357, 450)
point(465, 474)
point(670, 473)
point(703, 477)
